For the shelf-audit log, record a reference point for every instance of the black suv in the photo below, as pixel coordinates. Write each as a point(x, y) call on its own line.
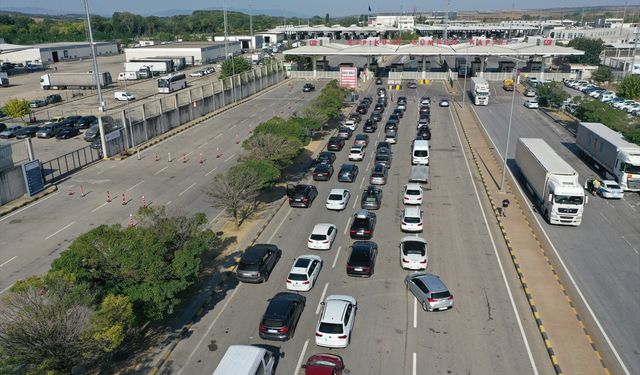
point(362, 259)
point(362, 109)
point(280, 320)
point(379, 107)
point(54, 98)
point(424, 132)
point(301, 195)
point(402, 100)
point(371, 198)
point(383, 144)
point(369, 126)
point(398, 112)
point(326, 157)
point(394, 118)
point(348, 173)
point(70, 121)
point(376, 116)
point(257, 262)
point(364, 222)
point(308, 87)
point(355, 117)
point(335, 144)
point(323, 172)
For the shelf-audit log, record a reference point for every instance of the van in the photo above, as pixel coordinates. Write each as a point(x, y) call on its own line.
point(420, 152)
point(246, 360)
point(419, 173)
point(123, 95)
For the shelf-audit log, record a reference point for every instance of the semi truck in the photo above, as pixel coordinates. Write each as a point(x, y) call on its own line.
point(156, 66)
point(552, 181)
point(610, 154)
point(480, 91)
point(63, 81)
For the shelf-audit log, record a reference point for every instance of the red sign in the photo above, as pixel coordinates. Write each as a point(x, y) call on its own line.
point(313, 42)
point(427, 42)
point(348, 77)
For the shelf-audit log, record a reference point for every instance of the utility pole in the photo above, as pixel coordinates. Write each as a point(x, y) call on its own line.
point(624, 14)
point(446, 20)
point(251, 19)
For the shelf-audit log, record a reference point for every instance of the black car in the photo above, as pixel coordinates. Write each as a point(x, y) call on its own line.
point(355, 117)
point(383, 158)
point(371, 198)
point(67, 132)
point(394, 118)
point(348, 173)
point(402, 100)
point(86, 122)
point(412, 85)
point(70, 121)
point(378, 81)
point(383, 101)
point(326, 157)
point(424, 109)
point(379, 108)
point(390, 126)
point(308, 87)
point(364, 223)
point(369, 126)
point(376, 116)
point(280, 320)
point(362, 109)
point(257, 262)
point(362, 259)
point(27, 132)
point(323, 172)
point(335, 144)
point(398, 112)
point(3, 126)
point(424, 132)
point(301, 195)
point(383, 144)
point(54, 98)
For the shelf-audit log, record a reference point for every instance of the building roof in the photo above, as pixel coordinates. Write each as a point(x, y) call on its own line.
point(472, 27)
point(185, 45)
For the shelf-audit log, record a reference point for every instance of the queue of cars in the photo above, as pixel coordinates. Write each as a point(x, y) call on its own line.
point(336, 321)
point(59, 127)
point(631, 107)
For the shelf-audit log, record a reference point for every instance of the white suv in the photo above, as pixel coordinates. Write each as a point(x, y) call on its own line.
point(351, 124)
point(338, 199)
point(336, 321)
point(412, 194)
point(356, 153)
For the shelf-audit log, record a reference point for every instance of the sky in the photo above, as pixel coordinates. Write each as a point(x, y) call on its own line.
point(298, 7)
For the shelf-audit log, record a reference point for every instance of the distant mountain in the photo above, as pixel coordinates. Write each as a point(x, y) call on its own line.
point(40, 11)
point(268, 12)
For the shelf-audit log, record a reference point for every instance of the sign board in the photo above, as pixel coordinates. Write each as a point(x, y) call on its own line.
point(33, 179)
point(635, 69)
point(348, 77)
point(111, 136)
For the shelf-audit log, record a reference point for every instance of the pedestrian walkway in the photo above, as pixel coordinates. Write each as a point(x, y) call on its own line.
point(568, 343)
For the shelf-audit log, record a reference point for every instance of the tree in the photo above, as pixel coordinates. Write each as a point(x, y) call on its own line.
point(236, 193)
point(551, 94)
point(284, 128)
point(17, 108)
point(602, 74)
point(275, 148)
point(629, 87)
point(590, 110)
point(234, 65)
point(265, 170)
point(326, 19)
point(591, 47)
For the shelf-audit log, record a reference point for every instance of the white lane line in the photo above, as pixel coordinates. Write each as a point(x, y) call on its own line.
point(415, 312)
point(161, 170)
point(280, 225)
point(324, 292)
point(29, 206)
point(414, 366)
point(135, 186)
point(368, 165)
point(495, 251)
point(60, 230)
point(99, 207)
point(336, 257)
point(230, 157)
point(8, 261)
point(231, 128)
point(5, 289)
point(185, 190)
point(187, 155)
point(206, 335)
point(355, 201)
point(346, 228)
point(216, 218)
point(218, 136)
point(168, 203)
point(301, 357)
point(625, 240)
point(211, 171)
point(362, 182)
point(202, 145)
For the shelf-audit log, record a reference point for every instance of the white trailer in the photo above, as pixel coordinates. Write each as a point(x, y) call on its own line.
point(480, 91)
point(609, 152)
point(63, 81)
point(552, 181)
point(129, 76)
point(155, 66)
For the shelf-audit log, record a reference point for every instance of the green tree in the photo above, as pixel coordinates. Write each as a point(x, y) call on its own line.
point(235, 65)
point(591, 47)
point(326, 19)
point(275, 148)
point(551, 94)
point(629, 87)
point(590, 110)
point(17, 108)
point(283, 128)
point(602, 74)
point(112, 322)
point(265, 170)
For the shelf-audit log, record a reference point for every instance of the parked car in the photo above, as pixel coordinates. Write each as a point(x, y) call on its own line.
point(257, 263)
point(322, 236)
point(53, 98)
point(371, 198)
point(363, 225)
point(338, 199)
point(413, 253)
point(411, 220)
point(531, 103)
point(336, 321)
point(335, 144)
point(197, 73)
point(280, 320)
point(3, 126)
point(123, 96)
point(86, 122)
point(67, 132)
point(49, 130)
point(301, 195)
point(379, 172)
point(37, 103)
point(304, 273)
point(308, 87)
point(325, 363)
point(70, 121)
point(27, 132)
point(610, 189)
point(362, 259)
point(323, 172)
point(430, 291)
point(348, 173)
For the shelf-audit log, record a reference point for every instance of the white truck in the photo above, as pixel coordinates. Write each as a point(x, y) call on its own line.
point(165, 66)
point(63, 81)
point(552, 181)
point(480, 91)
point(129, 76)
point(609, 152)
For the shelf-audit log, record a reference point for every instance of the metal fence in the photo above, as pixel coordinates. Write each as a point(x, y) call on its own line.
point(62, 166)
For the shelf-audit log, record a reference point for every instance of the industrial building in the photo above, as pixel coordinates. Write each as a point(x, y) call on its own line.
point(247, 42)
point(198, 52)
point(49, 53)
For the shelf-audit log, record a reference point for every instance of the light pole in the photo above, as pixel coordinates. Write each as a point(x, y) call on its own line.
point(128, 115)
point(464, 85)
point(506, 147)
point(226, 50)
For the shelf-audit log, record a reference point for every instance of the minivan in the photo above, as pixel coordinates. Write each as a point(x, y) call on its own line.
point(123, 96)
point(246, 360)
point(420, 152)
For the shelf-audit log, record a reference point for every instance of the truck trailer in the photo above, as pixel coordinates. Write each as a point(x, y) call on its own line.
point(480, 91)
point(63, 81)
point(157, 66)
point(610, 153)
point(552, 181)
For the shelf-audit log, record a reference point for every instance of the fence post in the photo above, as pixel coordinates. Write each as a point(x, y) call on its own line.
point(190, 106)
point(126, 130)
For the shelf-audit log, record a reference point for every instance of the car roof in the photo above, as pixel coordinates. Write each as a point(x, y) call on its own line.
point(433, 282)
point(414, 239)
point(279, 305)
point(321, 228)
point(337, 191)
point(334, 308)
point(363, 245)
point(412, 211)
point(362, 213)
point(413, 186)
point(347, 166)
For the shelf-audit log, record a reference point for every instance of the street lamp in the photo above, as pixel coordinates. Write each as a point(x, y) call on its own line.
point(506, 148)
point(129, 114)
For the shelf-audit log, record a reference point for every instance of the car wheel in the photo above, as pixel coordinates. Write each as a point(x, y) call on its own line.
point(424, 306)
point(266, 276)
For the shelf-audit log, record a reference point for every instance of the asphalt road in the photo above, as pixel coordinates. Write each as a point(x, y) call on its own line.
point(32, 237)
point(484, 333)
point(603, 253)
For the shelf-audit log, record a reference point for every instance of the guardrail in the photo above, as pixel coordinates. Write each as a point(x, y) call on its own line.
point(62, 166)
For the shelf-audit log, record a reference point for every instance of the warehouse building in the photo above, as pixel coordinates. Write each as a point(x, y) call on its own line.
point(49, 53)
point(247, 42)
point(198, 52)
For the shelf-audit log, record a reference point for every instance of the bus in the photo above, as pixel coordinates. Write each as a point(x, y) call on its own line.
point(172, 82)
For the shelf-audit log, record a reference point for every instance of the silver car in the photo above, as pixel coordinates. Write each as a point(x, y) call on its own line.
point(430, 291)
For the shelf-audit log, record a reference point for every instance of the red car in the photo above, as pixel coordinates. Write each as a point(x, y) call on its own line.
point(324, 364)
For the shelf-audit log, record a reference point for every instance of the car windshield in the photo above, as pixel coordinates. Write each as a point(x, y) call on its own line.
point(359, 257)
point(273, 322)
point(612, 185)
point(335, 197)
point(318, 237)
point(569, 199)
point(413, 192)
point(330, 328)
point(633, 169)
point(382, 158)
point(413, 247)
point(411, 219)
point(441, 295)
point(360, 223)
point(248, 266)
point(420, 153)
point(297, 277)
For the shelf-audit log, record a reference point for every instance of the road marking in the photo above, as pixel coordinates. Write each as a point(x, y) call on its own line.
point(218, 136)
point(355, 201)
point(279, 225)
point(347, 226)
point(301, 358)
point(206, 335)
point(415, 312)
point(231, 128)
point(625, 240)
point(5, 289)
point(202, 145)
point(362, 182)
point(135, 186)
point(211, 171)
point(216, 218)
point(185, 190)
point(29, 206)
point(230, 157)
point(414, 367)
point(60, 230)
point(168, 203)
point(160, 171)
point(187, 155)
point(368, 165)
point(99, 207)
point(324, 291)
point(336, 257)
point(8, 261)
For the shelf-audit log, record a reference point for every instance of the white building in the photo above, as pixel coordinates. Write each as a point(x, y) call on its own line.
point(401, 22)
point(246, 41)
point(49, 53)
point(198, 52)
point(607, 34)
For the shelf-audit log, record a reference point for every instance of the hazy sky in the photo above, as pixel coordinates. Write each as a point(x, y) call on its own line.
point(303, 7)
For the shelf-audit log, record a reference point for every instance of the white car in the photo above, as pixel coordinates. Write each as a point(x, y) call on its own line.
point(610, 189)
point(412, 194)
point(322, 237)
point(338, 199)
point(197, 73)
point(531, 103)
point(336, 321)
point(402, 107)
point(304, 273)
point(444, 103)
point(356, 153)
point(413, 253)
point(351, 124)
point(411, 219)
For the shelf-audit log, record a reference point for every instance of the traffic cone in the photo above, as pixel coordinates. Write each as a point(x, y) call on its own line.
point(218, 153)
point(201, 159)
point(108, 196)
point(237, 139)
point(144, 202)
point(157, 157)
point(130, 220)
point(124, 200)
point(82, 191)
point(71, 192)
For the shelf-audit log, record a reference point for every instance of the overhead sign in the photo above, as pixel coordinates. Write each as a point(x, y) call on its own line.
point(348, 77)
point(33, 179)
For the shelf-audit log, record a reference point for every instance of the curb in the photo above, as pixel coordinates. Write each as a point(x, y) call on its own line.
point(42, 194)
